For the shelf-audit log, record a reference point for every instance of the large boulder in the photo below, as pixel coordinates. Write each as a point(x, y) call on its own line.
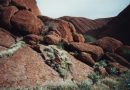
point(86, 58)
point(62, 28)
point(94, 50)
point(33, 40)
point(6, 38)
point(25, 21)
point(25, 68)
point(6, 15)
point(52, 39)
point(108, 44)
point(78, 37)
point(27, 4)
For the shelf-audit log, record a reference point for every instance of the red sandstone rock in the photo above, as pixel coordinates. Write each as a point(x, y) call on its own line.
point(6, 15)
point(2, 48)
point(117, 58)
point(94, 50)
point(108, 44)
point(78, 70)
point(124, 51)
point(25, 21)
point(118, 27)
point(62, 29)
point(25, 68)
point(78, 37)
point(86, 58)
point(6, 39)
point(27, 4)
point(33, 39)
point(51, 39)
point(84, 25)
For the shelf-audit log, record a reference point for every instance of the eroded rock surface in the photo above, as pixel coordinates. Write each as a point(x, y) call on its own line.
point(25, 68)
point(26, 22)
point(6, 39)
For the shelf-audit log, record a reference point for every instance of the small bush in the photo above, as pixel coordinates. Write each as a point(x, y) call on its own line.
point(58, 59)
point(95, 77)
point(89, 38)
point(101, 63)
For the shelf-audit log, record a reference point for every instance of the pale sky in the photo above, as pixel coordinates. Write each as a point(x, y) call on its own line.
point(82, 8)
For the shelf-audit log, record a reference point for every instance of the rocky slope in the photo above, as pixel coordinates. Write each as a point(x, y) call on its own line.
point(84, 25)
point(116, 27)
point(38, 50)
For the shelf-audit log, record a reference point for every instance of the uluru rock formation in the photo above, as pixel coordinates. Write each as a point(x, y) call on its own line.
point(37, 50)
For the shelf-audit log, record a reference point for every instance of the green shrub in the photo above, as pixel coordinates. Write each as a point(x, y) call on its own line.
point(89, 38)
point(58, 59)
point(85, 85)
point(95, 77)
point(101, 63)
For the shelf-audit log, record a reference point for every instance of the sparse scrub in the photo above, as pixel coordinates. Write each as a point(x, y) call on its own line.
point(101, 63)
point(12, 49)
point(58, 59)
point(95, 77)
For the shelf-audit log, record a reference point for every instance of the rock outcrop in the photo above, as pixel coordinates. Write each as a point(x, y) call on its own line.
point(6, 38)
point(108, 44)
point(31, 5)
point(60, 30)
point(26, 22)
point(38, 50)
point(25, 68)
point(84, 25)
point(94, 50)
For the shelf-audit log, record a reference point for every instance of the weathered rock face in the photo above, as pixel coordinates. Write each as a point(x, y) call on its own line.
point(6, 15)
point(124, 51)
point(60, 29)
point(52, 39)
point(6, 39)
point(25, 68)
point(27, 4)
point(65, 64)
point(30, 5)
point(33, 40)
point(117, 58)
point(108, 44)
point(86, 58)
point(37, 62)
point(118, 27)
point(96, 51)
point(26, 22)
point(84, 25)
